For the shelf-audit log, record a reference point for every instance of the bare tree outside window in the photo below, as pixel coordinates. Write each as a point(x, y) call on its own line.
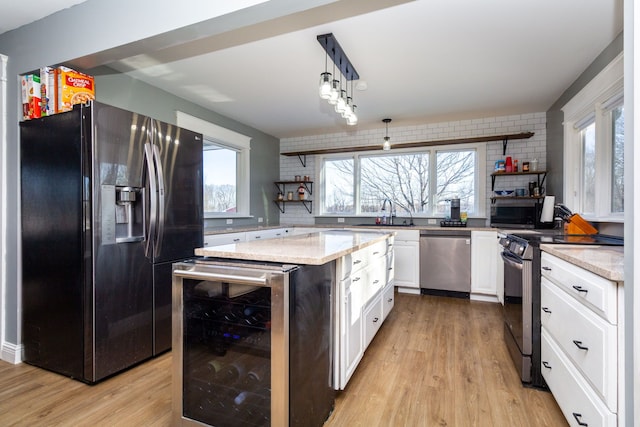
point(588, 139)
point(220, 179)
point(338, 186)
point(404, 179)
point(617, 171)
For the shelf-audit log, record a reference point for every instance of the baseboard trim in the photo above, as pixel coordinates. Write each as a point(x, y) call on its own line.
point(484, 297)
point(11, 353)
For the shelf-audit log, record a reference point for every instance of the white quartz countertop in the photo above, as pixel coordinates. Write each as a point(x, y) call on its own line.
point(313, 248)
point(605, 261)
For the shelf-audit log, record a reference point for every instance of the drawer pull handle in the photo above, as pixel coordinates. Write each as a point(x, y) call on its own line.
point(355, 279)
point(375, 320)
point(375, 282)
point(545, 268)
point(376, 252)
point(236, 240)
point(546, 364)
point(357, 261)
point(580, 289)
point(578, 419)
point(546, 310)
point(579, 345)
point(390, 268)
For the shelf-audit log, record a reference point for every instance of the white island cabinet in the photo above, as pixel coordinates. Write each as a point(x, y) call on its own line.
point(364, 298)
point(582, 341)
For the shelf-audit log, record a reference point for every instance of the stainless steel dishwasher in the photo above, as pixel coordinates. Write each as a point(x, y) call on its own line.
point(445, 262)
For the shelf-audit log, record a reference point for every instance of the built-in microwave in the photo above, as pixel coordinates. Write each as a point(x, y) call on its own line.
point(517, 216)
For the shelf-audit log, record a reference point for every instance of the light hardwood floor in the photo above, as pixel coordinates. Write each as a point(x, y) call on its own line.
point(435, 362)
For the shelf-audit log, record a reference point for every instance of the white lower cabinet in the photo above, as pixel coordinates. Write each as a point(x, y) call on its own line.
point(406, 264)
point(582, 345)
point(484, 265)
point(364, 298)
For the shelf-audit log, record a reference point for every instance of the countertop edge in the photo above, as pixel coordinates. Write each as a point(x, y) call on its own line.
point(578, 254)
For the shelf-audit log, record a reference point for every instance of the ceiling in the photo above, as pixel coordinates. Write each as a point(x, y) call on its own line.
point(422, 61)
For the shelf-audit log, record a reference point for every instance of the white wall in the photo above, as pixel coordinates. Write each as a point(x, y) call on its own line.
point(525, 149)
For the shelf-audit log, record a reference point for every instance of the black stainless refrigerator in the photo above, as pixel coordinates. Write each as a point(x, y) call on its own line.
point(109, 199)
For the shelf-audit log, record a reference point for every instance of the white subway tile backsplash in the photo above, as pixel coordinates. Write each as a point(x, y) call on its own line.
point(525, 149)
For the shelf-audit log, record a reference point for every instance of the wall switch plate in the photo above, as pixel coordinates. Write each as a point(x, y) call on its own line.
point(229, 221)
point(340, 219)
point(260, 219)
point(431, 221)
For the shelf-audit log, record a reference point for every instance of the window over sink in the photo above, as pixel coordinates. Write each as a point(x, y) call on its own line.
point(418, 182)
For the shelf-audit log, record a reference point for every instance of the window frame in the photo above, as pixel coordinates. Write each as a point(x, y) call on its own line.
point(593, 103)
point(480, 178)
point(234, 141)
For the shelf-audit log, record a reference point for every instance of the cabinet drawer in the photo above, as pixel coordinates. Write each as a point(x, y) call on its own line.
point(388, 299)
point(372, 319)
point(587, 339)
point(574, 395)
point(592, 290)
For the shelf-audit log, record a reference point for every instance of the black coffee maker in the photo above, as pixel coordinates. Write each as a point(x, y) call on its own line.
point(455, 209)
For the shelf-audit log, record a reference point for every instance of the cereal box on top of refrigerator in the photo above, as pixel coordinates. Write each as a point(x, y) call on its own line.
point(47, 89)
point(73, 88)
point(31, 101)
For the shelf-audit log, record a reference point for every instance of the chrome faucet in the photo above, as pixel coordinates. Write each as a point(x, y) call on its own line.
point(384, 203)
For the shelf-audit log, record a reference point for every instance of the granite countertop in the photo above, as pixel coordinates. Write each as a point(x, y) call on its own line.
point(390, 228)
point(312, 248)
point(605, 261)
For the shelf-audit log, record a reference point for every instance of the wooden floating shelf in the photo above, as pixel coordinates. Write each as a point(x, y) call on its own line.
point(504, 138)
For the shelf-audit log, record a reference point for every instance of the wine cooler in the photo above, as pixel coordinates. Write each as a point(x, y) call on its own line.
point(238, 338)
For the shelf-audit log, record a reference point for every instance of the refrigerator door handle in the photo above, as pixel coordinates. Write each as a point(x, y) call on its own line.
point(148, 157)
point(161, 200)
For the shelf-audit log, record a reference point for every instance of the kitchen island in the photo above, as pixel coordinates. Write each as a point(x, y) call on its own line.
point(265, 331)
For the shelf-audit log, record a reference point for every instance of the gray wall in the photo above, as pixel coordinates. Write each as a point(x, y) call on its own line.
point(125, 92)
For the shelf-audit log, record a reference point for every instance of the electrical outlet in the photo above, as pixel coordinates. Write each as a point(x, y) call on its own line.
point(229, 221)
point(431, 221)
point(260, 219)
point(340, 219)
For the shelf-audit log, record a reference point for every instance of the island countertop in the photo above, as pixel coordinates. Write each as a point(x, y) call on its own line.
point(312, 248)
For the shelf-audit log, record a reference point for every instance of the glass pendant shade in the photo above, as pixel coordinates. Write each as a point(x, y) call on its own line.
point(347, 108)
point(335, 92)
point(325, 85)
point(341, 103)
point(387, 144)
point(353, 118)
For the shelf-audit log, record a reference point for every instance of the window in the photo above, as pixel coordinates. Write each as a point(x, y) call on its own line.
point(417, 182)
point(225, 164)
point(594, 147)
point(220, 166)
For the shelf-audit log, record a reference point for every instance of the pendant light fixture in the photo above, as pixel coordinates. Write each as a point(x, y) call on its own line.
point(330, 87)
point(387, 141)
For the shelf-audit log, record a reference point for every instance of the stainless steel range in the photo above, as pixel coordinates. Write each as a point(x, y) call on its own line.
point(521, 259)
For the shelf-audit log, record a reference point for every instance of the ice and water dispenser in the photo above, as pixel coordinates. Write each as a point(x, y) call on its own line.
point(122, 214)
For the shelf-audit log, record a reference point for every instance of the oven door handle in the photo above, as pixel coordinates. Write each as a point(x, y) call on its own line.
point(511, 260)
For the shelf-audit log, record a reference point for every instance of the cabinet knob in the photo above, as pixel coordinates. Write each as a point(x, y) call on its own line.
point(375, 320)
point(390, 300)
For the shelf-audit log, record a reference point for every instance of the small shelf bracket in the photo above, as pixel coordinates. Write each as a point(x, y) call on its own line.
point(303, 162)
point(504, 146)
